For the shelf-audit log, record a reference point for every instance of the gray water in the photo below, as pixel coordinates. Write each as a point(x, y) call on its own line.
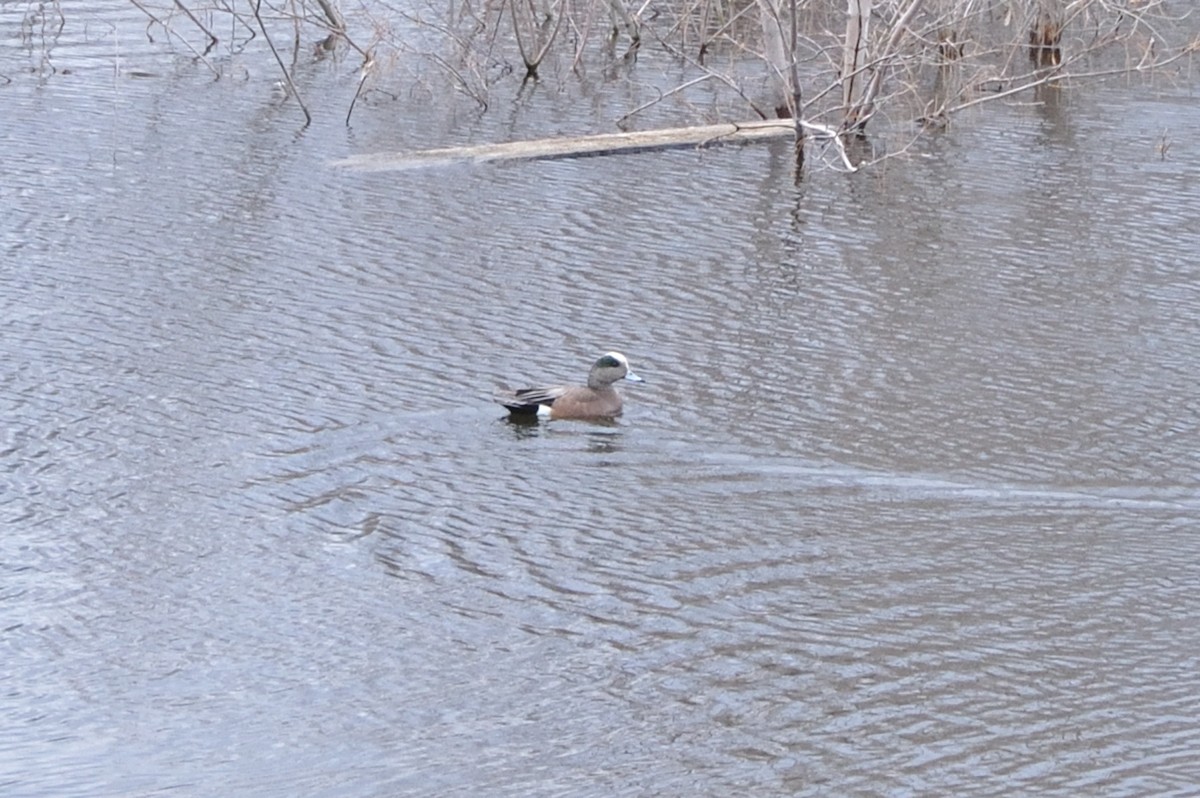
point(909, 504)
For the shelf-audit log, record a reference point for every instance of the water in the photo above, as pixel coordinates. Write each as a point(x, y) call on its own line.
point(907, 507)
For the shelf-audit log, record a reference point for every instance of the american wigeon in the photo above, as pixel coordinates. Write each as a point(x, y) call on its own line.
point(598, 399)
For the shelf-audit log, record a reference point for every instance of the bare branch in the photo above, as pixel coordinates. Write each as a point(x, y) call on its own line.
point(286, 75)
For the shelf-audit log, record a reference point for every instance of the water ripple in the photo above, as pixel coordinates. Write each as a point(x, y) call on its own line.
point(907, 504)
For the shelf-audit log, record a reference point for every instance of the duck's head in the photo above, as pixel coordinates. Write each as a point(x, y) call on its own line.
point(611, 366)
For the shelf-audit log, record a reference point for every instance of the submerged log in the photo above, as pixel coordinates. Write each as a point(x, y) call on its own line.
point(578, 146)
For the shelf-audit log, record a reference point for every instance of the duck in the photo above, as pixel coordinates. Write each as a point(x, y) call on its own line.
point(596, 400)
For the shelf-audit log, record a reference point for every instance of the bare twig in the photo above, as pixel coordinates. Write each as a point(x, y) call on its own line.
point(367, 67)
point(199, 56)
point(333, 15)
point(212, 39)
point(662, 96)
point(866, 106)
point(1042, 78)
point(286, 75)
point(728, 81)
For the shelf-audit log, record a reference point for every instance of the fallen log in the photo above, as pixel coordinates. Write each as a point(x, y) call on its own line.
point(578, 146)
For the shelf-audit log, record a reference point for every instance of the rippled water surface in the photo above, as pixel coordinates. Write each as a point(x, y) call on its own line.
point(909, 505)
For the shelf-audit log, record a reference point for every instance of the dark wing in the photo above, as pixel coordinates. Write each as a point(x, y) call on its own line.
point(528, 400)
